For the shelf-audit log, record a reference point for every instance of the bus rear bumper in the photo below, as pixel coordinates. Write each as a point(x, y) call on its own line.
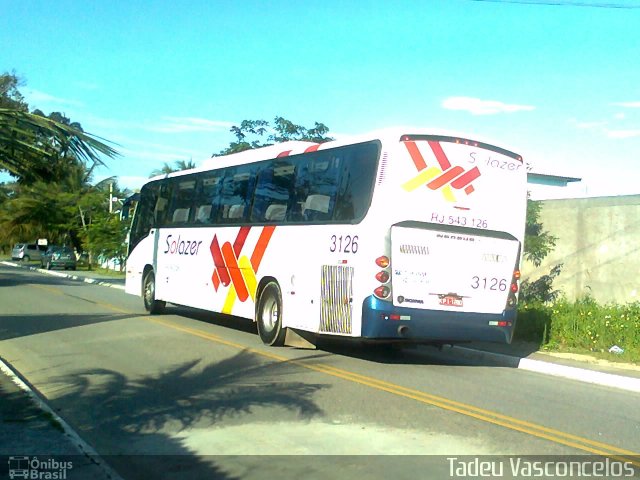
point(382, 320)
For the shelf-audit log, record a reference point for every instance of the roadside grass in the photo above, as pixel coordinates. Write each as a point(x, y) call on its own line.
point(582, 326)
point(102, 271)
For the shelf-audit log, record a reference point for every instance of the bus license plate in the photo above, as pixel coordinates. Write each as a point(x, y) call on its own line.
point(451, 301)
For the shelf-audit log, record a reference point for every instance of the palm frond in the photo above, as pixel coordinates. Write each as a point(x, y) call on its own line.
point(19, 131)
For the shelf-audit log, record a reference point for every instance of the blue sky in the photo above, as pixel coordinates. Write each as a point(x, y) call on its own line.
point(556, 80)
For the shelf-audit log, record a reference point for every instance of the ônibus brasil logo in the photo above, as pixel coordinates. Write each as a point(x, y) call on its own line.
point(444, 176)
point(235, 271)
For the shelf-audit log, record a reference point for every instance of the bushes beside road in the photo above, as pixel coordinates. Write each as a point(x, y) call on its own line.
point(583, 326)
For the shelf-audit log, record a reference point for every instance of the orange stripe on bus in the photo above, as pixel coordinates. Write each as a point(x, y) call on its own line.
point(261, 246)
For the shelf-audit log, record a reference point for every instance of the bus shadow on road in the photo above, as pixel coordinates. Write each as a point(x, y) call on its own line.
point(373, 351)
point(221, 320)
point(410, 354)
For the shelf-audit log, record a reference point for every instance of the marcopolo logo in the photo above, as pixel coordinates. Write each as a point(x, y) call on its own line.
point(235, 271)
point(443, 177)
point(35, 468)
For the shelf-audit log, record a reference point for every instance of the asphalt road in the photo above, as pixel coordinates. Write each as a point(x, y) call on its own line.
point(190, 394)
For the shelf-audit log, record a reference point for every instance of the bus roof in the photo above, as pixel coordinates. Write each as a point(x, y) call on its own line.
point(392, 134)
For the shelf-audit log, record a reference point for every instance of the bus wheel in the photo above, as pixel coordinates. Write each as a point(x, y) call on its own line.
point(269, 315)
point(151, 305)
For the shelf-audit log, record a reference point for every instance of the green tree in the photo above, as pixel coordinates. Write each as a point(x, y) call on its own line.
point(106, 237)
point(538, 243)
point(250, 134)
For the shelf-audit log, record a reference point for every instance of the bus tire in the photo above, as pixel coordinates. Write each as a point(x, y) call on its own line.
point(269, 315)
point(151, 305)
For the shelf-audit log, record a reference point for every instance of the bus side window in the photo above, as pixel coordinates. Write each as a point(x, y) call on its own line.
point(237, 194)
point(317, 187)
point(162, 205)
point(182, 201)
point(273, 191)
point(356, 182)
point(207, 198)
point(143, 219)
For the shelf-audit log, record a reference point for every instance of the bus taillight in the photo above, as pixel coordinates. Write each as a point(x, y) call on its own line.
point(382, 292)
point(382, 276)
point(382, 261)
point(513, 289)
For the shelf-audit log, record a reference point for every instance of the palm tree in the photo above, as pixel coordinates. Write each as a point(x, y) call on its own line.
point(26, 139)
point(179, 166)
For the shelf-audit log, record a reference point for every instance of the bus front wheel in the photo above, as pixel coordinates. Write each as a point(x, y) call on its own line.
point(269, 315)
point(151, 305)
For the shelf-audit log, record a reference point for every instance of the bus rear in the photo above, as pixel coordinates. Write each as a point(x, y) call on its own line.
point(449, 267)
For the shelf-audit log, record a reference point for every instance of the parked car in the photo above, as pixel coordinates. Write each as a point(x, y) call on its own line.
point(57, 256)
point(27, 251)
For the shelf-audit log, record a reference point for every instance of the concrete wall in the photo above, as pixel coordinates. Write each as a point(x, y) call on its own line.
point(598, 241)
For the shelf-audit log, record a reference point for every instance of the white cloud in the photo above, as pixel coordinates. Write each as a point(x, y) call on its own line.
point(36, 98)
point(188, 124)
point(477, 106)
point(623, 133)
point(628, 104)
point(590, 125)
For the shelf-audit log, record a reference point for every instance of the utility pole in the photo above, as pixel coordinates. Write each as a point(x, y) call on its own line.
point(111, 197)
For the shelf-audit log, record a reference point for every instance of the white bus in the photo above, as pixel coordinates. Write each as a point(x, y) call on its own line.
point(405, 236)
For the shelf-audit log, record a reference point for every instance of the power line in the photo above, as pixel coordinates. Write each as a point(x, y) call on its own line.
point(567, 3)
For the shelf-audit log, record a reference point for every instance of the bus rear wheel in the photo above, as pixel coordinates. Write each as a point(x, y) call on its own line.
point(269, 315)
point(151, 305)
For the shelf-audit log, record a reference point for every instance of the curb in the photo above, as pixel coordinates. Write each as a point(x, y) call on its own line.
point(622, 382)
point(83, 447)
point(92, 281)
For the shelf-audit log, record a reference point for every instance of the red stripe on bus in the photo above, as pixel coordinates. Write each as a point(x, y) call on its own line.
point(312, 148)
point(234, 270)
point(416, 156)
point(261, 246)
point(445, 177)
point(444, 162)
point(283, 154)
point(240, 239)
point(218, 261)
point(466, 179)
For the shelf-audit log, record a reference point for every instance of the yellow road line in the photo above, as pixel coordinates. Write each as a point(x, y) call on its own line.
point(53, 290)
point(556, 436)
